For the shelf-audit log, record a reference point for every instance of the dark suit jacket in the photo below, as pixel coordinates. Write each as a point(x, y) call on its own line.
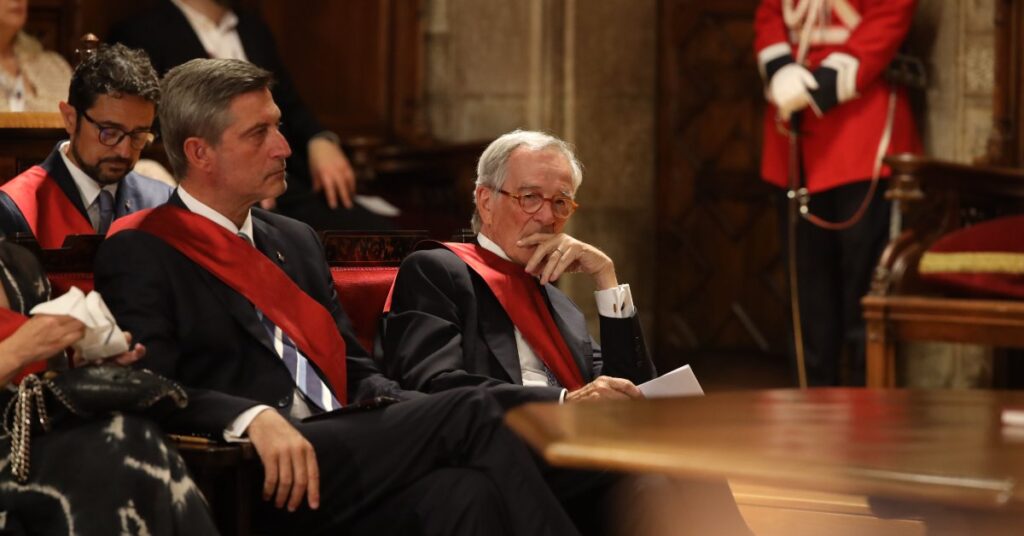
point(135, 193)
point(446, 329)
point(165, 34)
point(208, 337)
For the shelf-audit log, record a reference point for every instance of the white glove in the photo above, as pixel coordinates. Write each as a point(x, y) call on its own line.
point(789, 90)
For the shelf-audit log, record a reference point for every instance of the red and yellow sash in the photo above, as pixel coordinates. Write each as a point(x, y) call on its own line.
point(250, 273)
point(46, 208)
point(520, 296)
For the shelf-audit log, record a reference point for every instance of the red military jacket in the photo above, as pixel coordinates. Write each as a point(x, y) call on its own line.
point(849, 48)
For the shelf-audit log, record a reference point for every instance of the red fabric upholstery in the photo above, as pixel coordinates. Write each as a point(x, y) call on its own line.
point(986, 258)
point(62, 282)
point(362, 291)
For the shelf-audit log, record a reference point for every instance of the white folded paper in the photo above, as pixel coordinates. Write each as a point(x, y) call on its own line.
point(377, 205)
point(102, 336)
point(679, 382)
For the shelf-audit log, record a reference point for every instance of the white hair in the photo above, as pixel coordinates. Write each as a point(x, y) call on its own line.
point(493, 164)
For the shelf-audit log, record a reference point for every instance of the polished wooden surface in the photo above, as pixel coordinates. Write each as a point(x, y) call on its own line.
point(945, 447)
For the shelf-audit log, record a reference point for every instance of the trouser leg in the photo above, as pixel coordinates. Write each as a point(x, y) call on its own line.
point(818, 287)
point(860, 247)
point(469, 501)
point(366, 457)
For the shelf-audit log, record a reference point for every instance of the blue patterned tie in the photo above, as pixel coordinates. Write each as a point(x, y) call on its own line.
point(302, 372)
point(106, 204)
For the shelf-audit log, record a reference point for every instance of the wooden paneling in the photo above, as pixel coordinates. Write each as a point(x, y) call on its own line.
point(358, 63)
point(720, 268)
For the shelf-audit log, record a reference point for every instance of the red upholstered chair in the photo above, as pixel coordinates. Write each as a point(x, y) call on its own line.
point(362, 291)
point(363, 267)
point(938, 198)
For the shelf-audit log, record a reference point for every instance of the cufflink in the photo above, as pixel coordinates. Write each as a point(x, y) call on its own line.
point(280, 257)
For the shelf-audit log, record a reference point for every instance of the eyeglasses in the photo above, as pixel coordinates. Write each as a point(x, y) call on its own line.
point(111, 136)
point(562, 206)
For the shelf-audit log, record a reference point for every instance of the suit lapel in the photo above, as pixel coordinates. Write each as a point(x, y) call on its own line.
point(54, 166)
point(497, 331)
point(573, 327)
point(236, 304)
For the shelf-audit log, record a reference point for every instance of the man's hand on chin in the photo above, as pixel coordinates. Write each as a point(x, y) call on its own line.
point(289, 462)
point(605, 388)
point(560, 253)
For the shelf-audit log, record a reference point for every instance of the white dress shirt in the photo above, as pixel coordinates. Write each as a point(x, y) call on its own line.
point(88, 188)
point(616, 302)
point(220, 39)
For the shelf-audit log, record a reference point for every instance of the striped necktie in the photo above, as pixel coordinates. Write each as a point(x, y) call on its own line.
point(305, 376)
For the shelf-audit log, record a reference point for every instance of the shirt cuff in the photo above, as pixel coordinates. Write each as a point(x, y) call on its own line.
point(561, 397)
point(615, 302)
point(235, 432)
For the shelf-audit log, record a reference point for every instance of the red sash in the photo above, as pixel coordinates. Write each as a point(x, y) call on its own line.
point(46, 208)
point(10, 321)
point(520, 296)
point(253, 275)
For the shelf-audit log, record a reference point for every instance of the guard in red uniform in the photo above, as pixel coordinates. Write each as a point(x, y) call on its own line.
point(825, 59)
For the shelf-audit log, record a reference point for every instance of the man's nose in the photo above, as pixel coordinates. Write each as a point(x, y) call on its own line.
point(281, 149)
point(546, 215)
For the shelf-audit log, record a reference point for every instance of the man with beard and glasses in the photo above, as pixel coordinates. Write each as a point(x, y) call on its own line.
point(87, 181)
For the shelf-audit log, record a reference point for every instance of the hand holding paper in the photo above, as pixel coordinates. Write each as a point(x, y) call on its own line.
point(102, 336)
point(679, 382)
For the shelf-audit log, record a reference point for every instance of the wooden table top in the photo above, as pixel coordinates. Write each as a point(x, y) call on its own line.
point(933, 446)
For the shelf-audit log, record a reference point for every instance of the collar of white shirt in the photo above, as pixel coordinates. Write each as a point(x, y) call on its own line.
point(201, 22)
point(489, 245)
point(205, 211)
point(88, 188)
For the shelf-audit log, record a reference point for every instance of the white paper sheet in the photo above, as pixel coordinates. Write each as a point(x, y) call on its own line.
point(679, 382)
point(377, 205)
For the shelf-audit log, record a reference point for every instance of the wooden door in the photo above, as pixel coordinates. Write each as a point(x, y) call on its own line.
point(722, 297)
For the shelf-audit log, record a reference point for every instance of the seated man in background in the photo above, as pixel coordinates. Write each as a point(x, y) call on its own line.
point(486, 314)
point(87, 181)
point(323, 184)
point(474, 314)
point(237, 304)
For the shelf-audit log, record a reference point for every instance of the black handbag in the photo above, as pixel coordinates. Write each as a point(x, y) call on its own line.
point(84, 392)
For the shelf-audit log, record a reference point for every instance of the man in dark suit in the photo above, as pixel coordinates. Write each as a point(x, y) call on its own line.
point(486, 314)
point(87, 181)
point(175, 31)
point(237, 304)
point(447, 326)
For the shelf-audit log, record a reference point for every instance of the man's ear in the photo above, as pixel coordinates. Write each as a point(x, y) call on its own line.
point(198, 153)
point(70, 117)
point(483, 204)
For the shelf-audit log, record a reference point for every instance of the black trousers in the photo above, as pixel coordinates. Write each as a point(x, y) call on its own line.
point(443, 464)
point(834, 270)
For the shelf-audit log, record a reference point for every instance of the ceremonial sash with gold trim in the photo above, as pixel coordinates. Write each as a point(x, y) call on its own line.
point(250, 273)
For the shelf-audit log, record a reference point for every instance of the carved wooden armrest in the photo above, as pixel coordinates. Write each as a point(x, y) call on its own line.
point(934, 198)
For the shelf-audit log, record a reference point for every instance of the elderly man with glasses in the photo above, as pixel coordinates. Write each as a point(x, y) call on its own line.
point(87, 181)
point(486, 314)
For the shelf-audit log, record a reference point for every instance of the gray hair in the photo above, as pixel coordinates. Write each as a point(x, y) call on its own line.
point(493, 164)
point(197, 99)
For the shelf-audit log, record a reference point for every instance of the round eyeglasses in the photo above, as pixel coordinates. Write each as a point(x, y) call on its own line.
point(111, 136)
point(562, 206)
